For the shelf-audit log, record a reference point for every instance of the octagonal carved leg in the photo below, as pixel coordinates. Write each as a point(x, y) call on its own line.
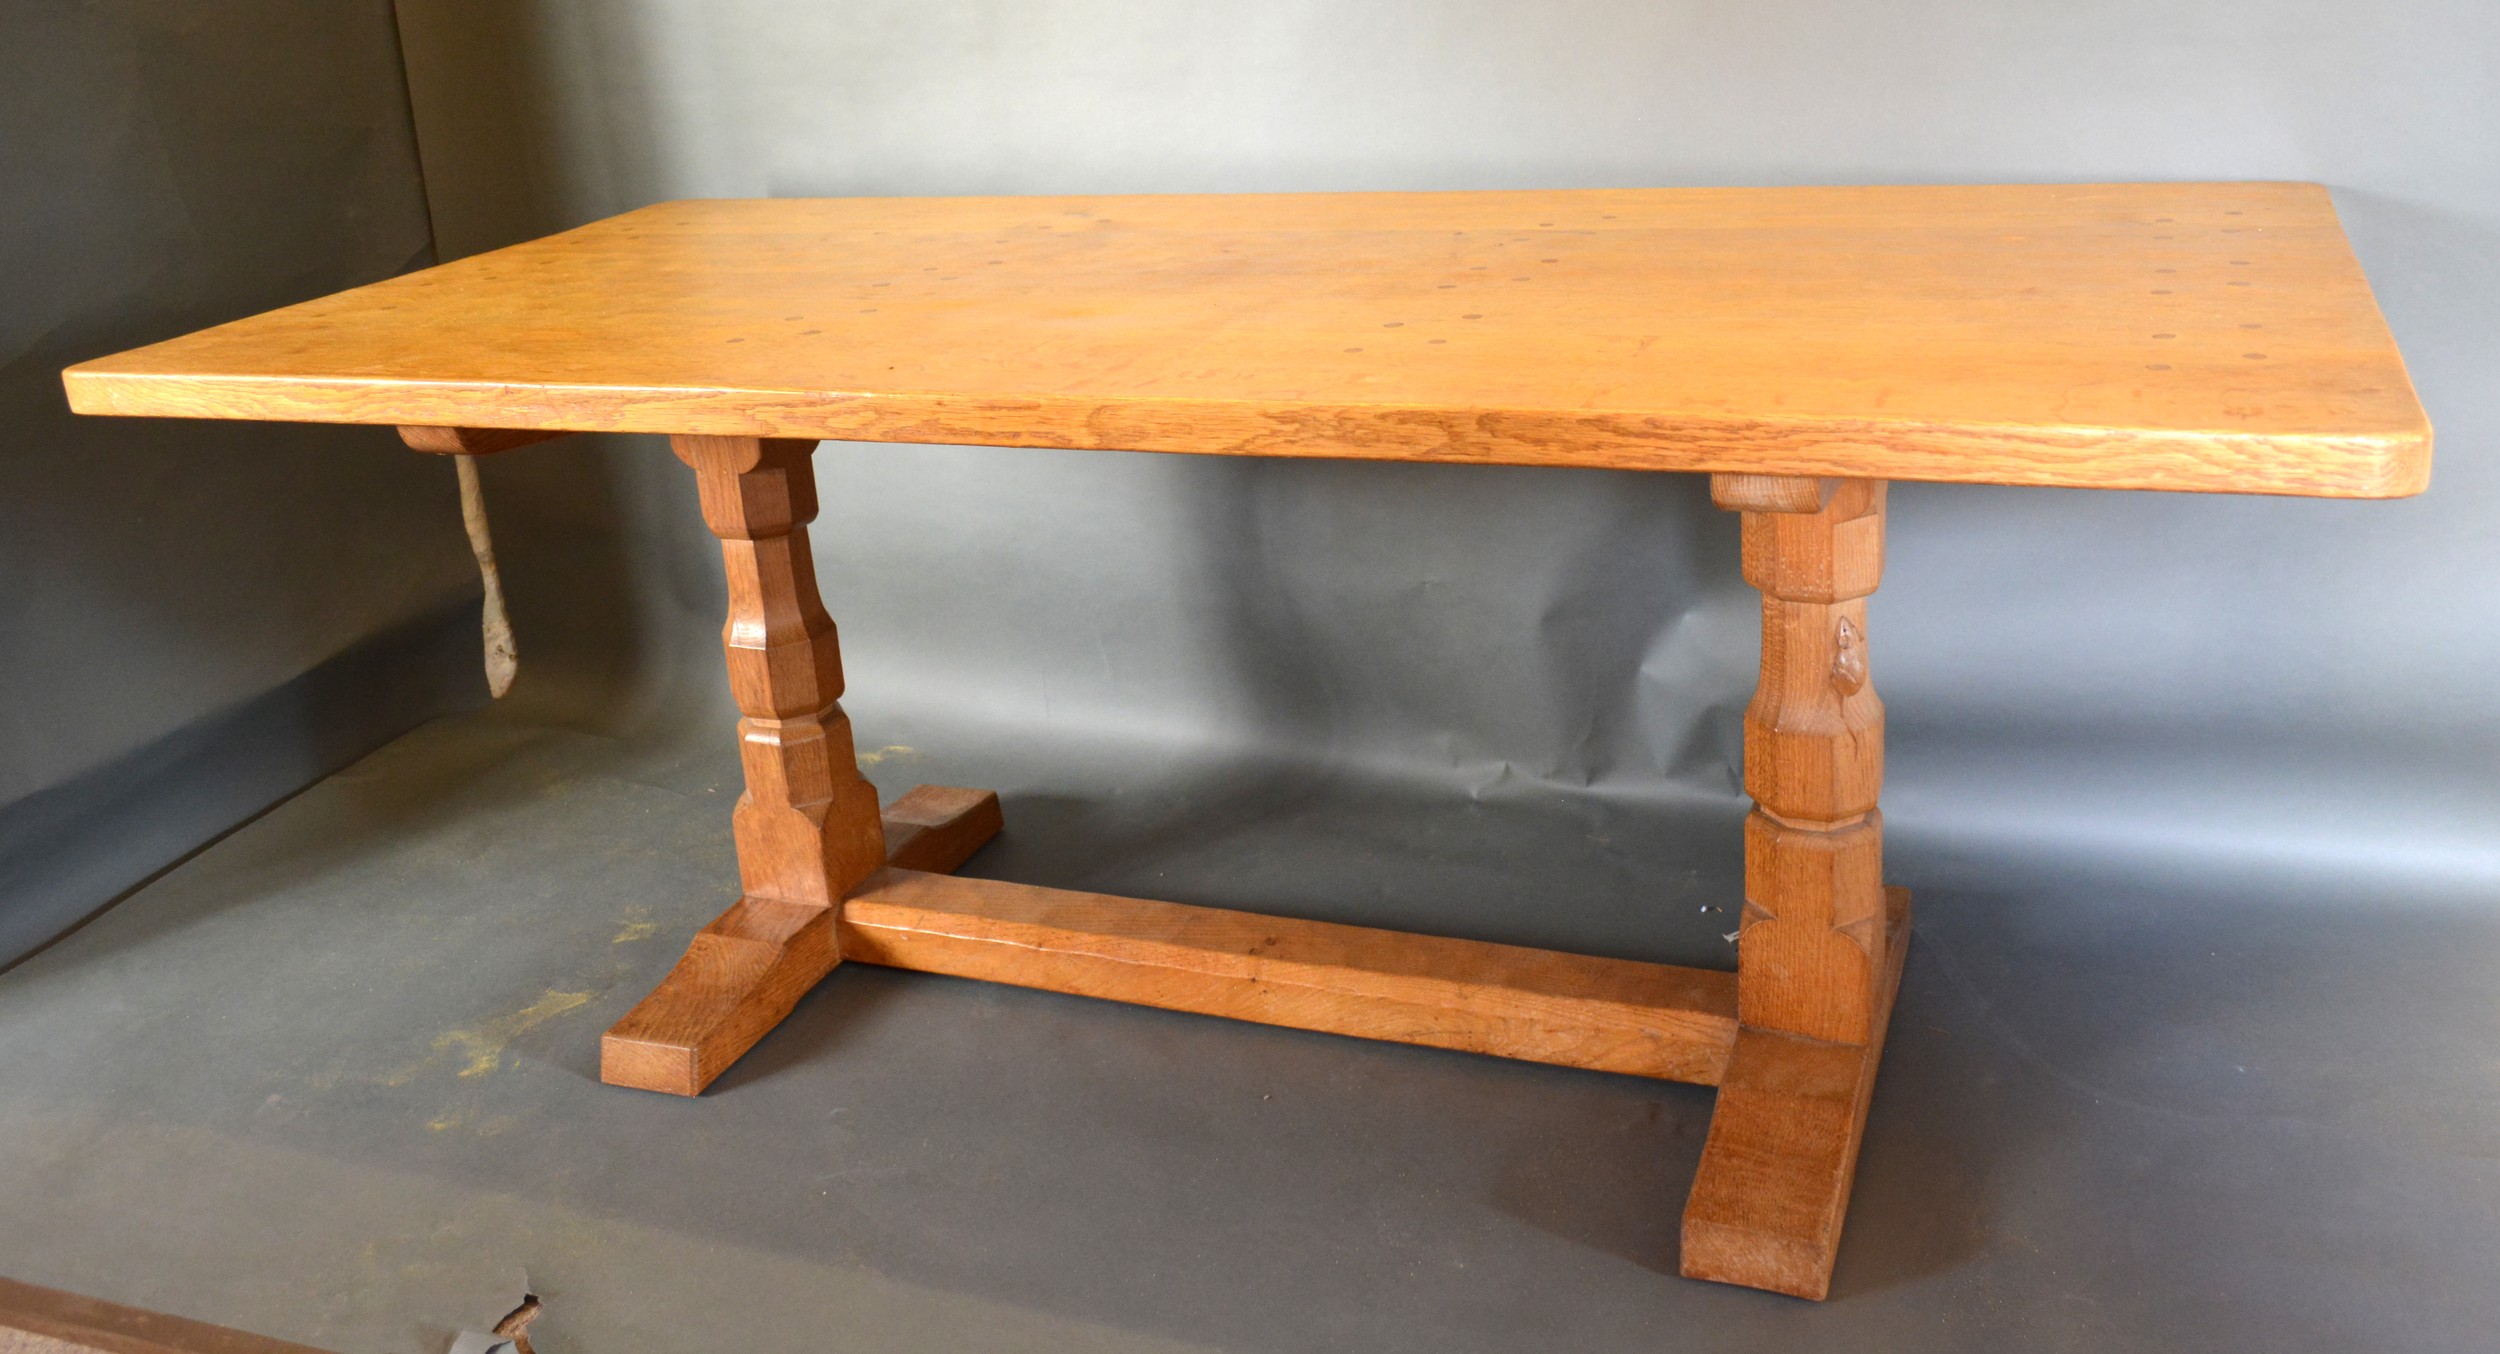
point(807, 828)
point(1820, 948)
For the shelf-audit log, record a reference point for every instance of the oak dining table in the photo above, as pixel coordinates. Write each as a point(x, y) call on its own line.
point(1803, 347)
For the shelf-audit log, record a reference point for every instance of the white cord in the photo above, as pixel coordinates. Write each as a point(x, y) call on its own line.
point(503, 657)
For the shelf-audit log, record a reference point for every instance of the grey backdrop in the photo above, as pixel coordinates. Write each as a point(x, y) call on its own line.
point(197, 619)
point(2235, 684)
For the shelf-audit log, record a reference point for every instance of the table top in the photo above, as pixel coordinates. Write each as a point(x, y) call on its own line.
point(2194, 336)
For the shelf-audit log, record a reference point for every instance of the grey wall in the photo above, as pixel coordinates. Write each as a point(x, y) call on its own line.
point(197, 619)
point(2242, 684)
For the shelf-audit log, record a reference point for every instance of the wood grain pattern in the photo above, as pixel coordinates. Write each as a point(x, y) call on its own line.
point(1771, 493)
point(1819, 955)
point(746, 970)
point(1812, 940)
point(2215, 337)
point(936, 828)
point(48, 1321)
point(741, 975)
point(473, 441)
point(1773, 1188)
point(806, 827)
point(1613, 1015)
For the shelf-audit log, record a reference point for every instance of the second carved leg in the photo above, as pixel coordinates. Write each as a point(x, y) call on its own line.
point(807, 827)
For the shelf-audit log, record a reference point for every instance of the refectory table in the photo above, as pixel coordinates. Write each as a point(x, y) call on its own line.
point(1803, 346)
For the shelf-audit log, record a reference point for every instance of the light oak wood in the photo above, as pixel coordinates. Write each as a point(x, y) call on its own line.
point(741, 975)
point(48, 1321)
point(1612, 1015)
point(936, 828)
point(473, 441)
point(807, 826)
point(2215, 337)
point(1771, 493)
point(1819, 953)
point(1812, 943)
point(746, 970)
point(1773, 1187)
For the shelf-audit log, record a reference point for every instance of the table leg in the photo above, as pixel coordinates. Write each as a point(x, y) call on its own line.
point(1822, 938)
point(1819, 961)
point(807, 827)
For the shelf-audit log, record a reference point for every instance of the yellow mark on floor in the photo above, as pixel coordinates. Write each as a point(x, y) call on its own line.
point(889, 750)
point(484, 1045)
point(465, 1114)
point(480, 1050)
point(635, 930)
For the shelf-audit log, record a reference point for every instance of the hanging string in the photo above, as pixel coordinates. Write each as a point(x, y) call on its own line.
point(503, 657)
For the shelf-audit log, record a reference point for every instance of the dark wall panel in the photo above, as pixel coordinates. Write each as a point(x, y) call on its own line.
point(167, 587)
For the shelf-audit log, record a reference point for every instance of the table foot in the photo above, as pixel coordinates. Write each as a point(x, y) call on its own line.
point(1773, 1188)
point(936, 828)
point(746, 970)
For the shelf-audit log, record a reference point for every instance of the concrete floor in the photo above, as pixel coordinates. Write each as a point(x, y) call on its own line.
point(334, 1080)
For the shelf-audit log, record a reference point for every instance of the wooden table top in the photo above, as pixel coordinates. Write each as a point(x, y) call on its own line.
point(2216, 337)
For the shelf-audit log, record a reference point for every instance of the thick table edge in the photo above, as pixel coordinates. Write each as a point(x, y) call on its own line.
point(2390, 462)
